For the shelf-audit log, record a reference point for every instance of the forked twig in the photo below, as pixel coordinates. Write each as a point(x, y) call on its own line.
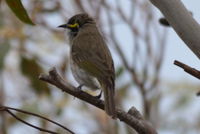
point(8, 110)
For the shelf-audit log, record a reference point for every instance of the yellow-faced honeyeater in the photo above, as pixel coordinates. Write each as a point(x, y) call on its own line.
point(90, 59)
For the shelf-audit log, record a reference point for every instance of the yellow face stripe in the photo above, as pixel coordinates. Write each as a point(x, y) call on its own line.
point(75, 25)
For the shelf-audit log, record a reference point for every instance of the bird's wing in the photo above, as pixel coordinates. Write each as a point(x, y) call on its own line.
point(90, 53)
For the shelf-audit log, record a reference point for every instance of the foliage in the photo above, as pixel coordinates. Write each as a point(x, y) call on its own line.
point(19, 10)
point(138, 61)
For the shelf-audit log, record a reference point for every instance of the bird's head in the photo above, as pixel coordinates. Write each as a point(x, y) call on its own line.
point(76, 22)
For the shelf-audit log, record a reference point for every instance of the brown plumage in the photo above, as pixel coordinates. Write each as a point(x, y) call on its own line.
point(91, 61)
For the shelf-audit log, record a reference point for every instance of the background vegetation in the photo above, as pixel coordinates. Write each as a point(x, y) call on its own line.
point(137, 41)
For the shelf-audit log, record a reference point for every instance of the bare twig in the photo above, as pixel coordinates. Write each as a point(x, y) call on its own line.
point(7, 109)
point(141, 126)
point(41, 129)
point(192, 71)
point(188, 69)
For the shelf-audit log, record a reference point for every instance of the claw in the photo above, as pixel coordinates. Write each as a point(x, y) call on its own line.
point(80, 86)
point(99, 96)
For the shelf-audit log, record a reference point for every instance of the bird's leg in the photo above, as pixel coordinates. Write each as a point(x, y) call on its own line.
point(99, 96)
point(80, 86)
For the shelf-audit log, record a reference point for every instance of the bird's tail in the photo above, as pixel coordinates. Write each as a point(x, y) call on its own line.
point(109, 95)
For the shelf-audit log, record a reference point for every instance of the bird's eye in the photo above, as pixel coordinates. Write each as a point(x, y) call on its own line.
point(75, 25)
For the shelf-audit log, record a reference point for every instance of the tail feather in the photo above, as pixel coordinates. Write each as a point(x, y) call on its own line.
point(109, 100)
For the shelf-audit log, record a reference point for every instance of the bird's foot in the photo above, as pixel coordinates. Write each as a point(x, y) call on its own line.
point(99, 96)
point(80, 86)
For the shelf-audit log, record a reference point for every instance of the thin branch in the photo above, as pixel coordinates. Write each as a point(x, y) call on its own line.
point(182, 22)
point(192, 71)
point(7, 109)
point(141, 126)
point(33, 126)
point(188, 69)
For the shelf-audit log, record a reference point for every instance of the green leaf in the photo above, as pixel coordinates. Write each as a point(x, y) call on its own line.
point(32, 70)
point(18, 9)
point(3, 51)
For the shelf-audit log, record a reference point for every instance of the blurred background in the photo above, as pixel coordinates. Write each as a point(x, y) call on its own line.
point(143, 52)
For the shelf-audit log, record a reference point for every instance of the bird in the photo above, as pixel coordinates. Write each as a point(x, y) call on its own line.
point(90, 58)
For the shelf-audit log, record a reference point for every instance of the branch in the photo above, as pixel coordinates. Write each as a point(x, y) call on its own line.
point(188, 69)
point(8, 110)
point(182, 22)
point(192, 71)
point(139, 124)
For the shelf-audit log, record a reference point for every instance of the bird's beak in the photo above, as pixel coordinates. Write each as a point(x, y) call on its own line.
point(63, 26)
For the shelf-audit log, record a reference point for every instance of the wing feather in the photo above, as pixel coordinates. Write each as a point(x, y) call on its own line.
point(90, 53)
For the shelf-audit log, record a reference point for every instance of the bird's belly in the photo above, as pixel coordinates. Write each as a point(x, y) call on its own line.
point(84, 78)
